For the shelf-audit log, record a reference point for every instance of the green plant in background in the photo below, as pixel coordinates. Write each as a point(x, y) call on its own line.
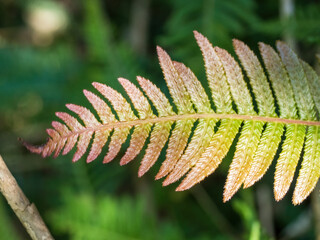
point(33, 73)
point(107, 56)
point(6, 228)
point(295, 85)
point(254, 230)
point(303, 25)
point(84, 216)
point(105, 217)
point(219, 20)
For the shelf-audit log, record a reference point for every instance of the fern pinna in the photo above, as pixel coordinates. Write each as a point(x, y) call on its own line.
point(294, 84)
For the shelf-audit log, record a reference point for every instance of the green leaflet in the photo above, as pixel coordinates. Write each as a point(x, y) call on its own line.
point(310, 169)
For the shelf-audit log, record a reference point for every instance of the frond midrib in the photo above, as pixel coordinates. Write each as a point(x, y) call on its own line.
point(131, 123)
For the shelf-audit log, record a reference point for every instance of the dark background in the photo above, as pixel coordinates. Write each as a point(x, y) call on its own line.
point(51, 50)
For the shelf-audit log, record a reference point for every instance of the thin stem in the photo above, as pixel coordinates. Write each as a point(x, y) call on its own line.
point(25, 211)
point(172, 118)
point(194, 116)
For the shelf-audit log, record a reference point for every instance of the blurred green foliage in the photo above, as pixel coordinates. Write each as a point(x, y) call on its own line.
point(218, 20)
point(102, 217)
point(6, 227)
point(41, 70)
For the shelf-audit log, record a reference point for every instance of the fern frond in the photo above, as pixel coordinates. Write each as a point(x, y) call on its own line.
point(198, 136)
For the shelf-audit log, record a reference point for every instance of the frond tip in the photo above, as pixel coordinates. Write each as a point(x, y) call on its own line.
point(198, 136)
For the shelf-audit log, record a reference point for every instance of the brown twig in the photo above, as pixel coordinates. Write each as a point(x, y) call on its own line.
point(25, 211)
